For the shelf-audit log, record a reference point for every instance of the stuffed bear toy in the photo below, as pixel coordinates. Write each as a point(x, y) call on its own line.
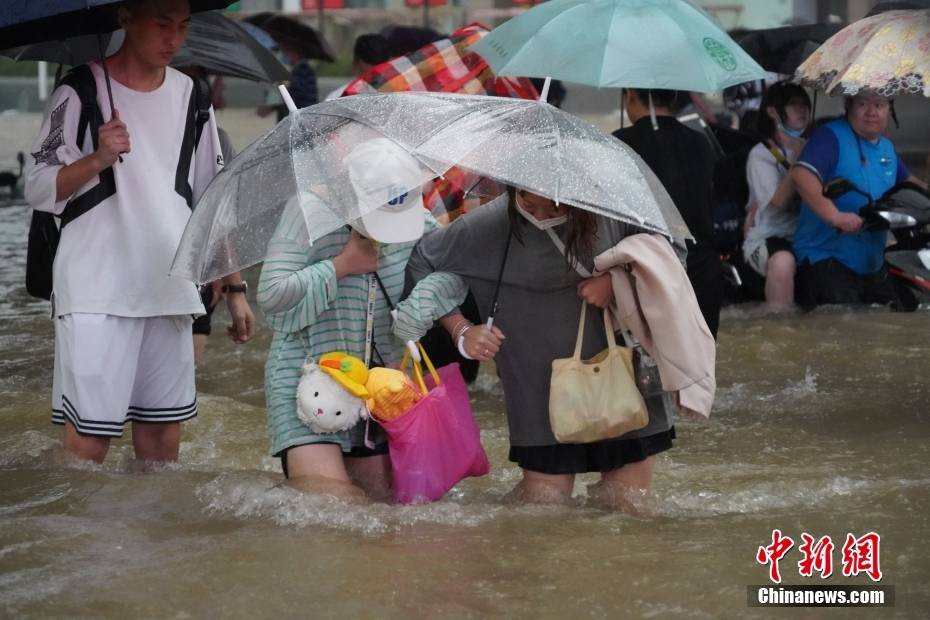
point(331, 395)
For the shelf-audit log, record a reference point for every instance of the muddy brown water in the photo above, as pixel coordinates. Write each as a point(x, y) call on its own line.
point(820, 426)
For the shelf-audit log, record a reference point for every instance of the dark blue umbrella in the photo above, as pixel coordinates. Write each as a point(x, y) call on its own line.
point(23, 22)
point(31, 21)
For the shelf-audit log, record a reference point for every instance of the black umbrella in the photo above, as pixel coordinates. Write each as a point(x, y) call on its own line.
point(404, 40)
point(894, 5)
point(782, 50)
point(214, 42)
point(298, 36)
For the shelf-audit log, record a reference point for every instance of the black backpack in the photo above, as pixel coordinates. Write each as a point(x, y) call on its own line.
point(45, 228)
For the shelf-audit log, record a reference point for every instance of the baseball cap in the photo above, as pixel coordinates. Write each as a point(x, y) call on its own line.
point(387, 180)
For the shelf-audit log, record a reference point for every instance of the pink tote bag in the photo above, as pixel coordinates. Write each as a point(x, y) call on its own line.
point(436, 443)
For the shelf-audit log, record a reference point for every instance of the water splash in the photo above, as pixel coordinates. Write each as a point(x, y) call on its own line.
point(246, 497)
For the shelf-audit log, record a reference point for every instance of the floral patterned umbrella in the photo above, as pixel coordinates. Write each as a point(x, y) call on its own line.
point(888, 53)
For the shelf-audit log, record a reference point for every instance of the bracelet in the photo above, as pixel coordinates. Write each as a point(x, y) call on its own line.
point(460, 343)
point(460, 328)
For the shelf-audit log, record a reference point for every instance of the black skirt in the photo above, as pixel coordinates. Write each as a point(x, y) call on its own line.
point(567, 458)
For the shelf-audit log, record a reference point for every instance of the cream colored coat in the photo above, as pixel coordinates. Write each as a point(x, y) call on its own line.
point(667, 321)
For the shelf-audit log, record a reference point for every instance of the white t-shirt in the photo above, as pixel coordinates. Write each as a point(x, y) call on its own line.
point(764, 173)
point(114, 259)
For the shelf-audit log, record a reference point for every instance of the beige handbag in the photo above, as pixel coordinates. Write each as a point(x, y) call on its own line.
point(595, 399)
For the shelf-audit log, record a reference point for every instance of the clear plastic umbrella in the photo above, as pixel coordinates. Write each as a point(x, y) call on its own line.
point(535, 146)
point(307, 159)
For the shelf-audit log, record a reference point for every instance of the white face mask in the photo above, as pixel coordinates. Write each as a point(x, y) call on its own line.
point(552, 222)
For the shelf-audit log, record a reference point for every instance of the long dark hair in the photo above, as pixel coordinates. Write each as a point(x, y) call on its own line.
point(582, 231)
point(778, 96)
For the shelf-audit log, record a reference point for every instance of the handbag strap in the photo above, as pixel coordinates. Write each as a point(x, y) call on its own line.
point(582, 271)
point(417, 370)
point(611, 339)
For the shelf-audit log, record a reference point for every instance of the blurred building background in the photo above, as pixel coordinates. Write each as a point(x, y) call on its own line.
point(343, 20)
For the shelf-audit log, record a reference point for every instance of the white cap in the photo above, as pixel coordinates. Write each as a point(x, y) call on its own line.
point(382, 173)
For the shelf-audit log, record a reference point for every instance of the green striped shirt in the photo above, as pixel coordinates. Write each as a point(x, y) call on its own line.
point(313, 313)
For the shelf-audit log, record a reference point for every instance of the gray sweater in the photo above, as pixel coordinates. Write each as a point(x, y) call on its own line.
point(538, 309)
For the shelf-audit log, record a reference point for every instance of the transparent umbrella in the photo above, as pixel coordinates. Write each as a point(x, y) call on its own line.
point(307, 159)
point(535, 146)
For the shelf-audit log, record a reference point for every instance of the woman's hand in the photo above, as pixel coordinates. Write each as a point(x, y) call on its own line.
point(360, 255)
point(597, 291)
point(481, 343)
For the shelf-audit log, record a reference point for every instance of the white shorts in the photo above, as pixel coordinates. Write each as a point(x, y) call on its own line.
point(110, 369)
point(759, 259)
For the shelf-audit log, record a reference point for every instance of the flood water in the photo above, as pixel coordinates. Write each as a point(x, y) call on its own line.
point(820, 426)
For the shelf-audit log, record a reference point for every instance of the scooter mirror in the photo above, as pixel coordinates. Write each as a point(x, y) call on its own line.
point(838, 187)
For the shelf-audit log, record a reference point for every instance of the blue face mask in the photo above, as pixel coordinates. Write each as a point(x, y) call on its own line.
point(792, 133)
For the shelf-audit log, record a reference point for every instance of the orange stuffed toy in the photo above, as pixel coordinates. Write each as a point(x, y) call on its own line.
point(391, 393)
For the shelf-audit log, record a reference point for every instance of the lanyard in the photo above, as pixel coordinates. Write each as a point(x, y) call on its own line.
point(370, 318)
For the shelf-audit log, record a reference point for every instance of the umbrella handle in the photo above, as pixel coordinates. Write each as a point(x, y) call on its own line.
point(544, 95)
point(414, 352)
point(288, 100)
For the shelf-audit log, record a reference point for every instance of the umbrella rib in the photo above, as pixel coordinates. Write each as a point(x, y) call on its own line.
point(374, 127)
point(558, 150)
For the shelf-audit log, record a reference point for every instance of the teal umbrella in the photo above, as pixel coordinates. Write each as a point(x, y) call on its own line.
point(620, 43)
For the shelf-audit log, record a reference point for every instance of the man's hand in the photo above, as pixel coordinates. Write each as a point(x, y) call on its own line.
point(113, 139)
point(360, 255)
point(243, 321)
point(597, 291)
point(846, 222)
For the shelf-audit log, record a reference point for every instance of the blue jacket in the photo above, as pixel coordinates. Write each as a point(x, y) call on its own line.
point(833, 152)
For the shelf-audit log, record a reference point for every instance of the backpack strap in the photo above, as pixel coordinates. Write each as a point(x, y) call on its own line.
point(82, 80)
point(198, 113)
point(778, 155)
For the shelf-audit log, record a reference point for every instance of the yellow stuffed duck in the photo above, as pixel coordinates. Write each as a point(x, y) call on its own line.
point(331, 395)
point(391, 393)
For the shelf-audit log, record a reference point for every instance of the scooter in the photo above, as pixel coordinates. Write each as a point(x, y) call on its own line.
point(905, 211)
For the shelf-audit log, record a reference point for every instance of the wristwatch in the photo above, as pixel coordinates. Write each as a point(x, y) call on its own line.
point(242, 287)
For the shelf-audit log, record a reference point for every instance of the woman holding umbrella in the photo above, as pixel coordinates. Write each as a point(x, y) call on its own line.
point(541, 294)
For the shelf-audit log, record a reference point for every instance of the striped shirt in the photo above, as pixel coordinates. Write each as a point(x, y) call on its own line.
point(312, 313)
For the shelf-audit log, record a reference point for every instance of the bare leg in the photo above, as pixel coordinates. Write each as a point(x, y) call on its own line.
point(85, 447)
point(200, 348)
point(779, 280)
point(372, 474)
point(320, 468)
point(540, 488)
point(625, 489)
point(156, 443)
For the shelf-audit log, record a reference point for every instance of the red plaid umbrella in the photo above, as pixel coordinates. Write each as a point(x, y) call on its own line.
point(449, 66)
